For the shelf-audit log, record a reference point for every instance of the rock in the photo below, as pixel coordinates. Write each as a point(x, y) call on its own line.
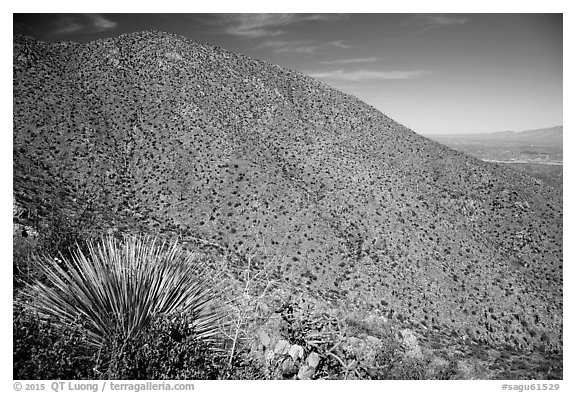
point(282, 347)
point(410, 344)
point(373, 341)
point(296, 352)
point(313, 359)
point(306, 372)
point(264, 339)
point(288, 367)
point(269, 355)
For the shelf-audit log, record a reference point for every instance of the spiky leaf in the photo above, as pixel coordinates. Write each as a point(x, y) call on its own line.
point(118, 288)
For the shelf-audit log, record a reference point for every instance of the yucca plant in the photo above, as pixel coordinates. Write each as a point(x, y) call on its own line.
point(120, 287)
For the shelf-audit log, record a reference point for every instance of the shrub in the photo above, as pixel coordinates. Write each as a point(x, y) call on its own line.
point(62, 234)
point(55, 233)
point(119, 288)
point(43, 352)
point(169, 348)
point(23, 269)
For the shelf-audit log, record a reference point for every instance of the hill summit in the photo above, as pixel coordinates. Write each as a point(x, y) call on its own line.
point(151, 132)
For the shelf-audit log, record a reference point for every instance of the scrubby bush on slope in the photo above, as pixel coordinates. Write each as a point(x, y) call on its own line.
point(113, 295)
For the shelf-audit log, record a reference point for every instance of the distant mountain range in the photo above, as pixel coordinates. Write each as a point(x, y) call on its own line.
point(547, 136)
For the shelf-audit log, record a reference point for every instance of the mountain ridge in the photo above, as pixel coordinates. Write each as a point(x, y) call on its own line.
point(160, 134)
point(556, 133)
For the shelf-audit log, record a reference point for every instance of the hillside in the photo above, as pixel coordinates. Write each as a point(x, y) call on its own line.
point(151, 132)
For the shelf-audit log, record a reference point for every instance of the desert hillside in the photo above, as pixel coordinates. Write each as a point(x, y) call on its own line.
point(151, 132)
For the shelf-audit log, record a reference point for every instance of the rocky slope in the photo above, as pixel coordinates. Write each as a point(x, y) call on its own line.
point(153, 132)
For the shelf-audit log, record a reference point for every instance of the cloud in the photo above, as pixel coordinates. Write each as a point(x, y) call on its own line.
point(350, 61)
point(295, 46)
point(444, 20)
point(366, 75)
point(432, 21)
point(298, 46)
point(67, 24)
point(268, 25)
point(85, 23)
point(341, 44)
point(100, 23)
point(257, 25)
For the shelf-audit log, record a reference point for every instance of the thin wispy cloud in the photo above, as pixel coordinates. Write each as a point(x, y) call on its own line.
point(100, 23)
point(257, 25)
point(367, 75)
point(350, 61)
point(428, 22)
point(269, 25)
point(298, 46)
point(88, 23)
point(67, 24)
point(443, 20)
point(341, 44)
point(294, 46)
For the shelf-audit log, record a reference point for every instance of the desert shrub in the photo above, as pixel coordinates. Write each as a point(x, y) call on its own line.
point(245, 309)
point(449, 371)
point(406, 369)
point(319, 332)
point(23, 269)
point(55, 234)
point(349, 346)
point(296, 322)
point(61, 234)
point(42, 351)
point(120, 287)
point(244, 366)
point(169, 348)
point(132, 309)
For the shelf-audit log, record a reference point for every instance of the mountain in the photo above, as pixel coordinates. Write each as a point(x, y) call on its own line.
point(542, 136)
point(151, 132)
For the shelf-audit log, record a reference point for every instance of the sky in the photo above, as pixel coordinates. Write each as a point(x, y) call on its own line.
point(434, 73)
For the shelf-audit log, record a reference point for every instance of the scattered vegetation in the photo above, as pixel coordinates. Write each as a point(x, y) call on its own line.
point(64, 329)
point(138, 308)
point(153, 133)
